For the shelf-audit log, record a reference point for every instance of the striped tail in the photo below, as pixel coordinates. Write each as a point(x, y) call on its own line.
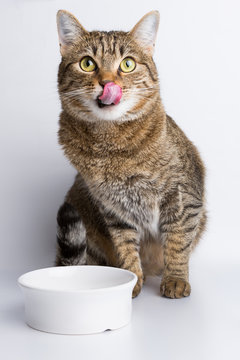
point(71, 237)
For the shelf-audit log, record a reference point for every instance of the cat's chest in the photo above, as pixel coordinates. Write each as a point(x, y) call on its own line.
point(133, 199)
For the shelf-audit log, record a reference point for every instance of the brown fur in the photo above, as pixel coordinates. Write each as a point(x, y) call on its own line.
point(129, 170)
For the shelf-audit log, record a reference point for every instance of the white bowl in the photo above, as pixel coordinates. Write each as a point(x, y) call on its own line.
point(78, 299)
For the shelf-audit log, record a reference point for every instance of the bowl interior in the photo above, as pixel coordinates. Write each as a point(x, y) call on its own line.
point(76, 278)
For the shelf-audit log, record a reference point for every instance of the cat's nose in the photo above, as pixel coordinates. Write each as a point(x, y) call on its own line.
point(104, 82)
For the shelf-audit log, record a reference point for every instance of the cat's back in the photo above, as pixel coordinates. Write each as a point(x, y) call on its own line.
point(186, 154)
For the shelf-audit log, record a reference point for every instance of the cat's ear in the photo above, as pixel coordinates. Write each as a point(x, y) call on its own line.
point(145, 31)
point(69, 30)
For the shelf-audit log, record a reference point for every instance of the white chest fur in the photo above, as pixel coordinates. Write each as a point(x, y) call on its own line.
point(135, 204)
point(153, 225)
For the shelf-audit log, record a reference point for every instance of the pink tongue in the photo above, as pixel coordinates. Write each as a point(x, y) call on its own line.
point(112, 94)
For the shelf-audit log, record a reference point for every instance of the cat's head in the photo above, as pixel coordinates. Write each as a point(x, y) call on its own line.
point(114, 66)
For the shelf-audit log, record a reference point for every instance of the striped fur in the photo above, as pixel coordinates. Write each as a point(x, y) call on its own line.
point(138, 198)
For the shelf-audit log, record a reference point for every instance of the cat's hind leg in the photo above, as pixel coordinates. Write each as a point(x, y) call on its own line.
point(71, 237)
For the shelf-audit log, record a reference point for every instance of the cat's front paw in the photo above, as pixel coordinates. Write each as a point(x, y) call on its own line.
point(174, 288)
point(137, 289)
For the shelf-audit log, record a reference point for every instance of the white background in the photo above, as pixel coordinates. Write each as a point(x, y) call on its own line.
point(198, 58)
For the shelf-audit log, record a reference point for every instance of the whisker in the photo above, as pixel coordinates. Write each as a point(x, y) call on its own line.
point(139, 91)
point(77, 92)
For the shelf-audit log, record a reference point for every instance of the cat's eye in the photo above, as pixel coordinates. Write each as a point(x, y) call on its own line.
point(88, 64)
point(127, 65)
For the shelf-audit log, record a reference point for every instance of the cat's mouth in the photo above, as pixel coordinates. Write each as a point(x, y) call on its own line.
point(111, 95)
point(102, 105)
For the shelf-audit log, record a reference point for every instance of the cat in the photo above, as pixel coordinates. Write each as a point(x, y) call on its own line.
point(137, 201)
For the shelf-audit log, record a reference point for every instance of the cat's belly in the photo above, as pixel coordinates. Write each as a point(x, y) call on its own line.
point(136, 204)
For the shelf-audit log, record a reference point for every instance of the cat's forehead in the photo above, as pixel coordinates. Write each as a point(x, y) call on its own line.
point(109, 44)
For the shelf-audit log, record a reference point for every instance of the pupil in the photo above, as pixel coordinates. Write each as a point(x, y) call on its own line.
point(128, 63)
point(89, 62)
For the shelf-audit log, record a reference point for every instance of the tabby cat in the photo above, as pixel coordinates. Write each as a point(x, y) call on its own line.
point(137, 201)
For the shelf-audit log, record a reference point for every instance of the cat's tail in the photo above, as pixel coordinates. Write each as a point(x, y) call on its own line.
point(71, 237)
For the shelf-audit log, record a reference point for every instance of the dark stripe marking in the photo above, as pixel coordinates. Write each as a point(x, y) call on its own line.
point(150, 72)
point(67, 215)
point(190, 229)
point(101, 42)
point(178, 251)
point(121, 49)
point(127, 242)
point(69, 250)
point(192, 206)
point(189, 216)
point(122, 226)
point(94, 49)
point(114, 44)
point(97, 257)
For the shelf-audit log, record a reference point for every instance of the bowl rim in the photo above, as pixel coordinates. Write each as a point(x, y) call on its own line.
point(22, 283)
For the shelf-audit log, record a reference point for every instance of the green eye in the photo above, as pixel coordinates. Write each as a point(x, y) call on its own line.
point(88, 64)
point(127, 65)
